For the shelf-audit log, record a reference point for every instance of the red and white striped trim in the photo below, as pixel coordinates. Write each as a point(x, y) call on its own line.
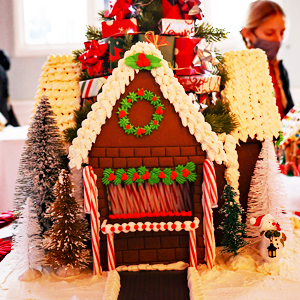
point(149, 226)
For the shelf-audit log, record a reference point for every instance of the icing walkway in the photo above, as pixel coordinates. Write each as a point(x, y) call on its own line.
point(154, 285)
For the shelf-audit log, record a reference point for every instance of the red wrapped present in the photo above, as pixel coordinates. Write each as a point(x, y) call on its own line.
point(171, 9)
point(201, 84)
point(190, 9)
point(176, 27)
point(93, 58)
point(119, 27)
point(5, 248)
point(119, 9)
point(184, 56)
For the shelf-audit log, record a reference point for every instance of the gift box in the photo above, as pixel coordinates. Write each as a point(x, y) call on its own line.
point(201, 84)
point(119, 27)
point(115, 49)
point(171, 9)
point(184, 56)
point(176, 27)
point(164, 43)
point(92, 87)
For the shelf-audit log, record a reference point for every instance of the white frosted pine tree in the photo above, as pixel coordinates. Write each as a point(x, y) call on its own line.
point(27, 246)
point(267, 192)
point(42, 160)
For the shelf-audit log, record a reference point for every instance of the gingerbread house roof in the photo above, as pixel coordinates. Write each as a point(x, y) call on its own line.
point(171, 90)
point(59, 82)
point(250, 94)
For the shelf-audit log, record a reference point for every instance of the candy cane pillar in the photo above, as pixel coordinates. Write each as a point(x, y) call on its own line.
point(91, 206)
point(193, 249)
point(209, 200)
point(110, 251)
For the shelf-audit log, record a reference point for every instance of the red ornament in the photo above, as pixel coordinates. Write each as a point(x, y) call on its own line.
point(122, 114)
point(92, 59)
point(111, 177)
point(146, 176)
point(159, 110)
point(173, 175)
point(162, 175)
point(185, 172)
point(140, 92)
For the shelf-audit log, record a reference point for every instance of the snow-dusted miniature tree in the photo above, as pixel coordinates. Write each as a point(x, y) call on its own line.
point(27, 248)
point(42, 160)
point(64, 241)
point(232, 226)
point(267, 193)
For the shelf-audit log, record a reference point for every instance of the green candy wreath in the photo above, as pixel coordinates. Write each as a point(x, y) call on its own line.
point(127, 103)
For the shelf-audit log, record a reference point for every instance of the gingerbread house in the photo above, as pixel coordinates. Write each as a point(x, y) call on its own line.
point(180, 142)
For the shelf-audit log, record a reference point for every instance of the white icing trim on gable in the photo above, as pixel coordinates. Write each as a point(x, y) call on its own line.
point(171, 90)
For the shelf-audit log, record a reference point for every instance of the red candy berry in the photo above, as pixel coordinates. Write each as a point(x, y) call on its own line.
point(124, 177)
point(146, 176)
point(185, 172)
point(154, 122)
point(154, 98)
point(129, 100)
point(140, 92)
point(159, 110)
point(122, 114)
point(162, 175)
point(111, 177)
point(173, 175)
point(128, 126)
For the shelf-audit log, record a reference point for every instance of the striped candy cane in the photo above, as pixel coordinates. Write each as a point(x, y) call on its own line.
point(129, 198)
point(193, 249)
point(110, 251)
point(91, 206)
point(209, 200)
point(156, 201)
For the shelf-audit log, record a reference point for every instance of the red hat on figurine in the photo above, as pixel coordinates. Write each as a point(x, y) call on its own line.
point(262, 220)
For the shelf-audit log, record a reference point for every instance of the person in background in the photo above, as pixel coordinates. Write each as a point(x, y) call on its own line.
point(263, 28)
point(5, 107)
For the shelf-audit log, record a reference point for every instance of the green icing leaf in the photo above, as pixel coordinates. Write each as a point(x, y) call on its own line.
point(190, 166)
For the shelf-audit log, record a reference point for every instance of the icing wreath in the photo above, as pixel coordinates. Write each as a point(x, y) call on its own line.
point(127, 103)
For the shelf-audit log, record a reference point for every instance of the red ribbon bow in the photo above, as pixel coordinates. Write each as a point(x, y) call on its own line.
point(190, 9)
point(92, 59)
point(5, 247)
point(119, 9)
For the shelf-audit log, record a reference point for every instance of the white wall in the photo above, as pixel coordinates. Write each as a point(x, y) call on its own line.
point(25, 71)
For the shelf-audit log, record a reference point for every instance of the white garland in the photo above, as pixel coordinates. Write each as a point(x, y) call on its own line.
point(180, 265)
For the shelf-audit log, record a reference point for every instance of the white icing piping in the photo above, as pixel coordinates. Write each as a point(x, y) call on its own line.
point(194, 284)
point(112, 286)
point(148, 226)
point(180, 265)
point(232, 173)
point(170, 88)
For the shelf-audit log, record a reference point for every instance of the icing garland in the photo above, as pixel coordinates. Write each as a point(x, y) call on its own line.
point(180, 174)
point(127, 103)
point(148, 226)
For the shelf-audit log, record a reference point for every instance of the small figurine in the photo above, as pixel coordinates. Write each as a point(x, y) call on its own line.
point(272, 239)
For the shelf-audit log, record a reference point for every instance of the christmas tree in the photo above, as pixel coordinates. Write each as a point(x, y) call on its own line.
point(233, 228)
point(266, 194)
point(28, 250)
point(41, 161)
point(65, 240)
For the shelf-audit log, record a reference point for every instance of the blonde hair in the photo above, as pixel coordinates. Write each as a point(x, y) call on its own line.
point(259, 12)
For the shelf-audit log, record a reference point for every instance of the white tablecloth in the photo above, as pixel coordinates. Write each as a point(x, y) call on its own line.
point(12, 140)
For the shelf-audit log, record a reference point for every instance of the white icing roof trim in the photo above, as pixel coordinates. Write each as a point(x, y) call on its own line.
point(180, 265)
point(171, 90)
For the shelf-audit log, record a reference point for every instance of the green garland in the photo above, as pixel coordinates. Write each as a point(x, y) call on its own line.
point(127, 103)
point(180, 174)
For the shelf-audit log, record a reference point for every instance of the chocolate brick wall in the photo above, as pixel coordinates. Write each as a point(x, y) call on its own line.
point(170, 145)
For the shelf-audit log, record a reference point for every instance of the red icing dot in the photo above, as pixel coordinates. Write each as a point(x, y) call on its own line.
point(173, 226)
point(185, 172)
point(144, 226)
point(166, 226)
point(127, 227)
point(154, 122)
point(182, 225)
point(171, 214)
point(189, 213)
point(129, 100)
point(162, 175)
point(117, 216)
point(154, 98)
point(128, 126)
point(123, 216)
point(177, 214)
point(112, 229)
point(149, 214)
point(103, 229)
point(143, 215)
point(163, 214)
point(136, 215)
point(156, 214)
point(151, 226)
point(184, 213)
point(111, 216)
point(158, 226)
point(129, 215)
point(136, 227)
point(120, 228)
point(193, 225)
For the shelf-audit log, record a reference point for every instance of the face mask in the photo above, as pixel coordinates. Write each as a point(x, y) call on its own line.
point(270, 47)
